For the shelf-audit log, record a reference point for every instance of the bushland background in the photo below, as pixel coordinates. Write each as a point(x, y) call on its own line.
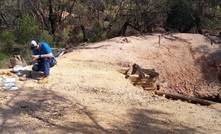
point(65, 23)
point(86, 92)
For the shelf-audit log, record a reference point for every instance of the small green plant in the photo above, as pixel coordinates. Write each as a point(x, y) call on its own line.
point(4, 60)
point(7, 37)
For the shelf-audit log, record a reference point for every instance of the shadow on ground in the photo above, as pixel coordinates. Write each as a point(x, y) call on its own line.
point(46, 111)
point(210, 82)
point(145, 122)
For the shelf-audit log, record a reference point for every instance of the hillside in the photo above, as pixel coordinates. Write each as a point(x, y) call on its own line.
point(88, 95)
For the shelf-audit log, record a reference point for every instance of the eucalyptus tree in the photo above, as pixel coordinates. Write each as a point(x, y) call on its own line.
point(211, 16)
point(149, 14)
point(206, 14)
point(95, 18)
point(187, 15)
point(49, 12)
point(115, 17)
point(179, 16)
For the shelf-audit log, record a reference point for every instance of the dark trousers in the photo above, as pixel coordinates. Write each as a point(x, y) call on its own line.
point(43, 64)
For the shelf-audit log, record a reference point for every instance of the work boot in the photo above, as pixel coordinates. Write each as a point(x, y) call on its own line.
point(43, 80)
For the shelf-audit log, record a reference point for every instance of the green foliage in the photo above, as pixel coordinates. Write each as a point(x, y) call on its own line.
point(2, 56)
point(3, 60)
point(7, 37)
point(179, 16)
point(95, 33)
point(61, 21)
point(46, 37)
point(213, 18)
point(6, 41)
point(195, 15)
point(60, 39)
point(5, 49)
point(26, 28)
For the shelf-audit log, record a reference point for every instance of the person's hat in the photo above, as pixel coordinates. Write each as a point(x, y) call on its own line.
point(33, 44)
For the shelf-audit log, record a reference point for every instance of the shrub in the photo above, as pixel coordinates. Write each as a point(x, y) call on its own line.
point(4, 60)
point(26, 28)
point(7, 37)
point(95, 32)
point(46, 37)
point(60, 39)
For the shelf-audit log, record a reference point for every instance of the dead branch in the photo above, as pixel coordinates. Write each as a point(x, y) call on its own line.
point(185, 98)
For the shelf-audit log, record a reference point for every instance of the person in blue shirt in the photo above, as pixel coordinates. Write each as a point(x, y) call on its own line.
point(44, 59)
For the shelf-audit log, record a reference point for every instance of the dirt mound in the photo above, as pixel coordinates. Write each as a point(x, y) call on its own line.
point(87, 94)
point(187, 63)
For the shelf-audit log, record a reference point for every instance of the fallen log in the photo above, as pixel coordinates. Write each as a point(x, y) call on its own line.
point(139, 69)
point(185, 98)
point(133, 69)
point(146, 78)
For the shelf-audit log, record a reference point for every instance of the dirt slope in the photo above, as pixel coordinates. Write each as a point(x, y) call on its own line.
point(87, 94)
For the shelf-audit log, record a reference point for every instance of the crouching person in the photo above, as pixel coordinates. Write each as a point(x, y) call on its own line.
point(44, 59)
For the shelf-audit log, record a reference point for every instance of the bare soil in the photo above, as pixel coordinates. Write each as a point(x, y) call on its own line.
point(87, 94)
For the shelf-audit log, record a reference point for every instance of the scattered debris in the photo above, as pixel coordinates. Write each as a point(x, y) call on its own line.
point(60, 52)
point(18, 68)
point(146, 78)
point(17, 60)
point(7, 81)
point(5, 73)
point(125, 40)
point(13, 88)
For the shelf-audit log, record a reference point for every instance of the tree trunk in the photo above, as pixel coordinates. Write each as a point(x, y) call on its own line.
point(83, 32)
point(52, 17)
point(123, 29)
point(40, 15)
point(19, 7)
point(198, 26)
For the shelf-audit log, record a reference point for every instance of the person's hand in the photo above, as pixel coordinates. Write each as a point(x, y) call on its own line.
point(35, 57)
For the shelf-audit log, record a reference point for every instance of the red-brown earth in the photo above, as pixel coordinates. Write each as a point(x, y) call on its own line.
point(87, 94)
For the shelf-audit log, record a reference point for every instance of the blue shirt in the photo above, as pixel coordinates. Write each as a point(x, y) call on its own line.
point(44, 49)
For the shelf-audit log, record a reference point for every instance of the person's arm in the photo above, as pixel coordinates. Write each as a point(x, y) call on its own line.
point(35, 57)
point(45, 55)
point(46, 50)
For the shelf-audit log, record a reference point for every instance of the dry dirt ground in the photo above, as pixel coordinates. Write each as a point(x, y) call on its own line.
point(86, 93)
